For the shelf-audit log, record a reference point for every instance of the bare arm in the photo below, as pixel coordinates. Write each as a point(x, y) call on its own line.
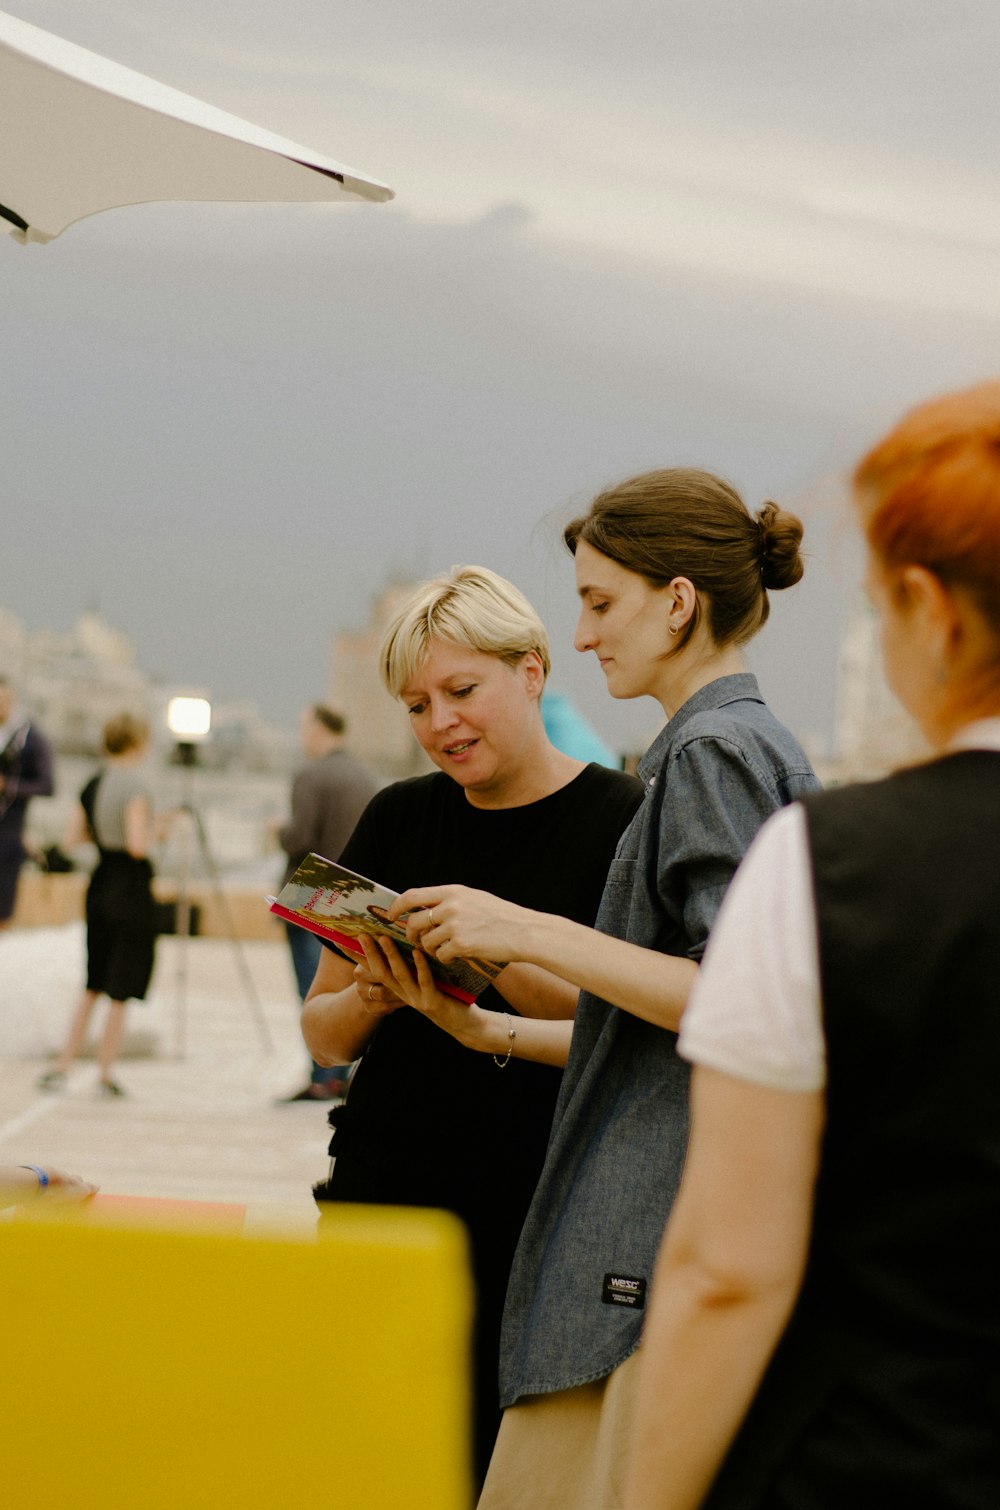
point(338, 1019)
point(455, 921)
point(543, 1040)
point(534, 992)
point(727, 1277)
point(77, 830)
point(21, 1185)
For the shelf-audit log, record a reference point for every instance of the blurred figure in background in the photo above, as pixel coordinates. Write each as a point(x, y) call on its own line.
point(25, 772)
point(825, 1321)
point(328, 797)
point(116, 813)
point(570, 732)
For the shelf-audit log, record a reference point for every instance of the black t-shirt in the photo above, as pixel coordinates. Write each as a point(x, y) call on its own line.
point(428, 1121)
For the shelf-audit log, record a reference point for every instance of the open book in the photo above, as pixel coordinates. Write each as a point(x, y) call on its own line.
point(343, 908)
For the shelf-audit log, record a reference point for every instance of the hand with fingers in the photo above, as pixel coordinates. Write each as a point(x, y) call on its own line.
point(68, 1187)
point(23, 1182)
point(415, 984)
point(457, 922)
point(376, 991)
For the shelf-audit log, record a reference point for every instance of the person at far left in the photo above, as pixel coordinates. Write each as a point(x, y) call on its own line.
point(25, 772)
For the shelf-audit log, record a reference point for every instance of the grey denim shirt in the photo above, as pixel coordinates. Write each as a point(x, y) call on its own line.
point(577, 1292)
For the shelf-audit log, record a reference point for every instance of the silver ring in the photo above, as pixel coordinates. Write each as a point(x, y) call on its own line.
point(371, 992)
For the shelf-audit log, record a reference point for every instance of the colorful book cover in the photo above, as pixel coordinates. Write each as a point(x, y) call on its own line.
point(343, 907)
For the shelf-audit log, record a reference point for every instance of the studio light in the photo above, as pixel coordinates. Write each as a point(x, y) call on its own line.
point(189, 719)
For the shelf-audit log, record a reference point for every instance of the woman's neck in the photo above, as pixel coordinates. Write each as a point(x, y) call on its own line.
point(127, 757)
point(546, 770)
point(693, 668)
point(980, 734)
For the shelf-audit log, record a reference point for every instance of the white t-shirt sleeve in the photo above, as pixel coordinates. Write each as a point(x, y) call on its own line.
point(755, 1011)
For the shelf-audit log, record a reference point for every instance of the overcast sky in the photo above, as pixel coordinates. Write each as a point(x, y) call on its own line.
point(741, 236)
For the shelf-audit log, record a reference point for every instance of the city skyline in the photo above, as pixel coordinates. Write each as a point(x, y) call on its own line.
point(73, 682)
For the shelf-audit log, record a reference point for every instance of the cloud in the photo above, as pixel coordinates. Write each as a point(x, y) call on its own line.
point(838, 148)
point(221, 414)
point(736, 236)
point(508, 219)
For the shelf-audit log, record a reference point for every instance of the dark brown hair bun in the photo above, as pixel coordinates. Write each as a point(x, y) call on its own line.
point(781, 563)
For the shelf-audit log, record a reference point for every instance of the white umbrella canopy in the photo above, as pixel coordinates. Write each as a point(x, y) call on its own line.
point(80, 134)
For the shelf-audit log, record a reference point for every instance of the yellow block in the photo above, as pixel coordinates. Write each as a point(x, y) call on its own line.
point(150, 1369)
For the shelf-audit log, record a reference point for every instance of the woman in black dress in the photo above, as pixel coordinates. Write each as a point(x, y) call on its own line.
point(116, 814)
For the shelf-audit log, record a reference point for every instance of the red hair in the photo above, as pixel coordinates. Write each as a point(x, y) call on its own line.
point(929, 494)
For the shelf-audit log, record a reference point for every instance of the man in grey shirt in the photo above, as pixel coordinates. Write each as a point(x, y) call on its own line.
point(328, 797)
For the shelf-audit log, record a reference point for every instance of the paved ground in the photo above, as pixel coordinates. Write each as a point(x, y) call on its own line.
point(200, 1127)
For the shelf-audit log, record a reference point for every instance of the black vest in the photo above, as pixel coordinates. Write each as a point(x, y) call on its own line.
point(885, 1390)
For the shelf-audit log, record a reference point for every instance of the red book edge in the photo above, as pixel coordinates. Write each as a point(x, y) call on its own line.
point(350, 946)
point(166, 1210)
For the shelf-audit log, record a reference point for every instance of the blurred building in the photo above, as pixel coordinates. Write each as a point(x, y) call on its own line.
point(241, 738)
point(873, 734)
point(378, 730)
point(73, 683)
point(13, 644)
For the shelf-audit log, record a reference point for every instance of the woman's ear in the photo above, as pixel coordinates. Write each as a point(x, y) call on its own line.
point(534, 674)
point(933, 611)
point(682, 600)
point(958, 640)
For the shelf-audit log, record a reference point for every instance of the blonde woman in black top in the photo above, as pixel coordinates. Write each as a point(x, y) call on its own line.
point(429, 1119)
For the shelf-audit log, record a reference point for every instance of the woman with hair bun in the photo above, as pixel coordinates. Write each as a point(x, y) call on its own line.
point(825, 1324)
point(673, 574)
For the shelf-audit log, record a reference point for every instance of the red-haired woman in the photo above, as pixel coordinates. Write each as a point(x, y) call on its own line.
point(825, 1324)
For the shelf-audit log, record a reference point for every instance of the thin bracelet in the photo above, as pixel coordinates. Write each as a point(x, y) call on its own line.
point(502, 1064)
point(42, 1177)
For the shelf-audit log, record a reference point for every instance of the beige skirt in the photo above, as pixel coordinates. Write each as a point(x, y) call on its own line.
point(565, 1451)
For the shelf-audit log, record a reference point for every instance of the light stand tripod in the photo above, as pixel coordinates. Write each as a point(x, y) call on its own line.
point(185, 755)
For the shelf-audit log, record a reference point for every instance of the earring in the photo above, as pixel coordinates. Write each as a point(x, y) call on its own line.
point(673, 629)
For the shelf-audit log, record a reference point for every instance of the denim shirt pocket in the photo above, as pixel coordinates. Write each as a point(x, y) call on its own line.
point(616, 903)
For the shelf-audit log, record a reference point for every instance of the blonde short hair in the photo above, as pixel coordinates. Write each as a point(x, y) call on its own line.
point(470, 605)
